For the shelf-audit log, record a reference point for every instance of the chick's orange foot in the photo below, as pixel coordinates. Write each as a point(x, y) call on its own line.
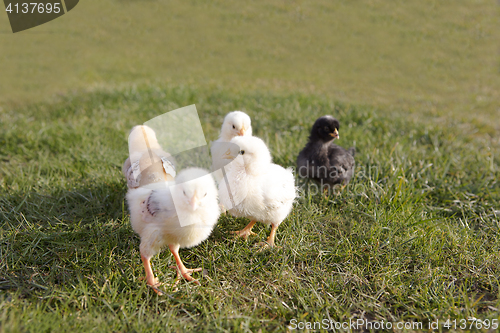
point(269, 244)
point(186, 274)
point(245, 232)
point(263, 246)
point(154, 284)
point(157, 289)
point(150, 281)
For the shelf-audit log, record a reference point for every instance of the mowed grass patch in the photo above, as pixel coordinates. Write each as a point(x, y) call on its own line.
point(414, 237)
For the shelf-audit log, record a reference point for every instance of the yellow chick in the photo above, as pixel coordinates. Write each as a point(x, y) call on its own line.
point(236, 123)
point(257, 189)
point(178, 214)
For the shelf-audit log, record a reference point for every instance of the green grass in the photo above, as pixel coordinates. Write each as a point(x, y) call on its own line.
point(414, 237)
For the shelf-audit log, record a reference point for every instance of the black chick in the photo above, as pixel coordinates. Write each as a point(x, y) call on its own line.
point(323, 160)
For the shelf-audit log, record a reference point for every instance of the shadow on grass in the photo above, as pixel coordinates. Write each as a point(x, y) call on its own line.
point(45, 237)
point(77, 206)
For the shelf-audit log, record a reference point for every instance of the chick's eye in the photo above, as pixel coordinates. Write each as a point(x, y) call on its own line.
point(234, 127)
point(184, 192)
point(242, 152)
point(205, 195)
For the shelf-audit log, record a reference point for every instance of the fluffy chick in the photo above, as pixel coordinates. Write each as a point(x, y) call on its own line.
point(236, 123)
point(180, 214)
point(321, 159)
point(147, 163)
point(257, 189)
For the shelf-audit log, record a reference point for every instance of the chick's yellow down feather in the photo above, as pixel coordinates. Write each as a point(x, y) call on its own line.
point(147, 163)
point(179, 214)
point(257, 189)
point(236, 123)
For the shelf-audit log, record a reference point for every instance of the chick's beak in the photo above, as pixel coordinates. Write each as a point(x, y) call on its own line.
point(335, 134)
point(227, 155)
point(194, 202)
point(242, 131)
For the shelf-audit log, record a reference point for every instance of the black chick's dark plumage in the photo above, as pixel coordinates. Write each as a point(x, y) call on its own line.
point(323, 160)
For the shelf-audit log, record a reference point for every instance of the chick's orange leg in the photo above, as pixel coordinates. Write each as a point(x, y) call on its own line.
point(246, 231)
point(270, 239)
point(181, 269)
point(150, 277)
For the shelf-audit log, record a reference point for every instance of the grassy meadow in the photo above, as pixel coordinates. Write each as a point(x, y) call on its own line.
point(413, 238)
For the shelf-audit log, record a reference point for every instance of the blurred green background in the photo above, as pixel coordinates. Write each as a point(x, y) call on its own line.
point(424, 57)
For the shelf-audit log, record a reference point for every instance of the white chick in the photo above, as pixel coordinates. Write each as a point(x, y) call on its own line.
point(148, 163)
point(180, 214)
point(236, 123)
point(257, 189)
